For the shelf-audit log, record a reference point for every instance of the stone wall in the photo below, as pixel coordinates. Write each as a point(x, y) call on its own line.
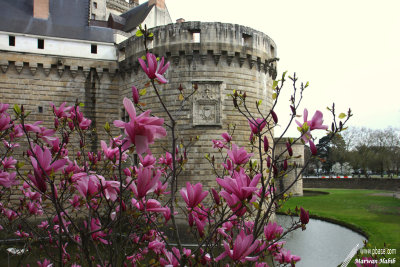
point(295, 162)
point(37, 80)
point(353, 183)
point(224, 58)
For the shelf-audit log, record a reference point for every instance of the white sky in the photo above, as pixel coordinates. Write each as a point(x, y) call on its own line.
point(349, 51)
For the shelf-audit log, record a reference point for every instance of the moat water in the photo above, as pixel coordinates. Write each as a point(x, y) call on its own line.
point(321, 244)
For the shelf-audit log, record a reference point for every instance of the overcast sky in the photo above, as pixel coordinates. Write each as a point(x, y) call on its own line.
point(349, 51)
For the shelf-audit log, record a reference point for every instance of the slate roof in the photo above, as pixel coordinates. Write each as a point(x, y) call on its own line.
point(67, 19)
point(136, 16)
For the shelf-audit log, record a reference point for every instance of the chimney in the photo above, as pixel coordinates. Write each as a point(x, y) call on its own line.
point(158, 3)
point(180, 20)
point(41, 9)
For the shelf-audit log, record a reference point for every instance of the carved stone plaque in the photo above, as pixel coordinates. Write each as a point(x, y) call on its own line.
point(207, 103)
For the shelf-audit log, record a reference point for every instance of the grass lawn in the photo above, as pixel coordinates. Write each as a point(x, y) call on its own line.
point(377, 216)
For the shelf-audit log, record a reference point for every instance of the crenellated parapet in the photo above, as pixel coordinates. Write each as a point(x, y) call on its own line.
point(60, 65)
point(205, 43)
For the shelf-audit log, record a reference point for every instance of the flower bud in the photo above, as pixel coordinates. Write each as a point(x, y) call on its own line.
point(216, 197)
point(285, 165)
point(269, 162)
point(266, 144)
point(135, 95)
point(313, 148)
point(274, 116)
point(304, 216)
point(289, 149)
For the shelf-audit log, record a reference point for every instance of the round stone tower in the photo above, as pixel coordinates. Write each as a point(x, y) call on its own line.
point(297, 160)
point(217, 58)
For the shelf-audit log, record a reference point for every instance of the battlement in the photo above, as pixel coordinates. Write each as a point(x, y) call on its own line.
point(204, 38)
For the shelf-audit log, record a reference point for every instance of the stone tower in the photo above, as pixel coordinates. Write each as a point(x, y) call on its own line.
point(283, 183)
point(218, 58)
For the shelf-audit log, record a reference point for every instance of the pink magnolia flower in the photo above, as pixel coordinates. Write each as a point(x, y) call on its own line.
point(226, 137)
point(87, 185)
point(155, 70)
point(4, 121)
point(313, 148)
point(97, 235)
point(285, 257)
point(171, 258)
point(150, 205)
point(84, 123)
point(239, 155)
point(8, 179)
point(148, 160)
point(146, 182)
point(239, 184)
point(109, 153)
point(141, 130)
point(3, 107)
point(193, 194)
point(218, 144)
point(309, 125)
point(272, 231)
point(257, 126)
point(61, 112)
point(42, 167)
point(167, 160)
point(242, 247)
point(45, 263)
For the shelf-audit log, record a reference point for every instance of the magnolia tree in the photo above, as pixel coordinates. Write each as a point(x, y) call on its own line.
point(72, 207)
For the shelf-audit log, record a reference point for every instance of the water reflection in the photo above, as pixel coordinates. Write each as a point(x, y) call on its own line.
point(322, 244)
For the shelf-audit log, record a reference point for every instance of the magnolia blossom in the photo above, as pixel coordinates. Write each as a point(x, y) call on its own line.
point(141, 130)
point(193, 194)
point(146, 182)
point(284, 256)
point(257, 125)
point(42, 167)
point(272, 231)
point(154, 70)
point(239, 184)
point(239, 155)
point(242, 247)
point(309, 125)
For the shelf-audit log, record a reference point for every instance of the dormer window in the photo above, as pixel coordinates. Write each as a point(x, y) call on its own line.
point(93, 49)
point(11, 40)
point(40, 43)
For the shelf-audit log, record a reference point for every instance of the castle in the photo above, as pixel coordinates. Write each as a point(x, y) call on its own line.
point(63, 50)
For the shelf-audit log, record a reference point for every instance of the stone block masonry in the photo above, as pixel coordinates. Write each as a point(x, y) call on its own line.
point(218, 58)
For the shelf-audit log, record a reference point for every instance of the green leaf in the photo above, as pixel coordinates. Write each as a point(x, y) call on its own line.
point(255, 204)
point(107, 127)
point(150, 34)
point(274, 84)
point(283, 75)
point(139, 33)
point(19, 165)
point(259, 103)
point(81, 105)
point(143, 92)
point(17, 110)
point(342, 116)
point(307, 84)
point(274, 95)
point(181, 97)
